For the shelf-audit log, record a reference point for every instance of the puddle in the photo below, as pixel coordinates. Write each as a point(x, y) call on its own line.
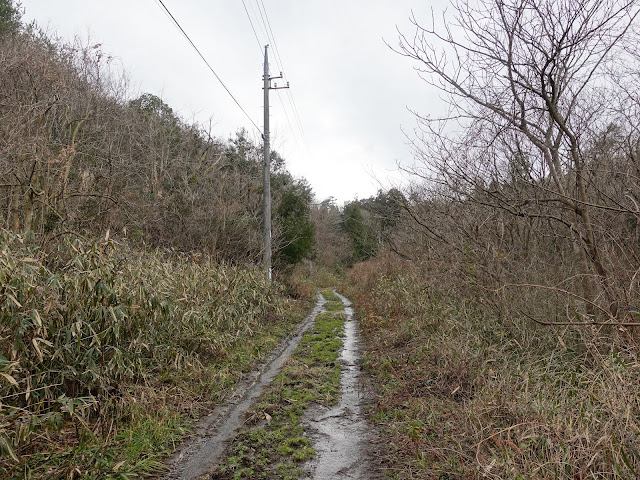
point(340, 435)
point(201, 454)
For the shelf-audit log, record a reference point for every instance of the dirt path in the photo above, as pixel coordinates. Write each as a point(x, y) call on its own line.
point(340, 435)
point(198, 456)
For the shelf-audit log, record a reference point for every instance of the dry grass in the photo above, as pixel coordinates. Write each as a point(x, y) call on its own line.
point(463, 393)
point(306, 278)
point(107, 352)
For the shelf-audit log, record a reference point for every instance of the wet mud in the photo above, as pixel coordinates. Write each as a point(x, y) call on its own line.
point(340, 435)
point(201, 454)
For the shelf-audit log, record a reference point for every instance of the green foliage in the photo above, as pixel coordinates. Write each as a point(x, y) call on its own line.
point(243, 152)
point(368, 224)
point(371, 222)
point(363, 241)
point(153, 105)
point(244, 155)
point(387, 207)
point(9, 17)
point(298, 233)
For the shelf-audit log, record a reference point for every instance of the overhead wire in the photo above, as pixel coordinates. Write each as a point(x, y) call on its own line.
point(279, 63)
point(177, 24)
point(273, 39)
point(286, 115)
point(264, 23)
point(265, 28)
point(257, 16)
point(297, 117)
point(252, 27)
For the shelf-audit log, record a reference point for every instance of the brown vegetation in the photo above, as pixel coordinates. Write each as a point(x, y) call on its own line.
point(110, 349)
point(505, 342)
point(461, 392)
point(79, 153)
point(99, 342)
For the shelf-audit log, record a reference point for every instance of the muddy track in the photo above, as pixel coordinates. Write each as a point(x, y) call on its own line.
point(201, 454)
point(340, 435)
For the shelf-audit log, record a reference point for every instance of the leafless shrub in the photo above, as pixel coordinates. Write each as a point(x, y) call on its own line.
point(81, 152)
point(532, 174)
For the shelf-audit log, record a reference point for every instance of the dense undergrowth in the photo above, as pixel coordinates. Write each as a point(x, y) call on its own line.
point(273, 445)
point(464, 393)
point(107, 352)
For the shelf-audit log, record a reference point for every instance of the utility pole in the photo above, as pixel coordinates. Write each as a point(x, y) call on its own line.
point(266, 183)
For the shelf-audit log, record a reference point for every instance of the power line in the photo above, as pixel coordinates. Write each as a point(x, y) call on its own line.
point(273, 39)
point(286, 115)
point(177, 24)
point(252, 27)
point(264, 23)
point(262, 28)
point(267, 26)
point(297, 117)
point(284, 108)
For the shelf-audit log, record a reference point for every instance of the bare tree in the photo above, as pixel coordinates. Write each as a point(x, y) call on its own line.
point(529, 90)
point(78, 154)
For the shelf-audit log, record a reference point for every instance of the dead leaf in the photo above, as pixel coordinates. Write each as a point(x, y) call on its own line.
point(13, 299)
point(10, 379)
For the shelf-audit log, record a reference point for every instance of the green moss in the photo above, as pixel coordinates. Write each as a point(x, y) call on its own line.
point(334, 306)
point(330, 296)
point(275, 445)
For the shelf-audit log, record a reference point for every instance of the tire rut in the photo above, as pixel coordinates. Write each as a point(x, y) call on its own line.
point(200, 455)
point(341, 435)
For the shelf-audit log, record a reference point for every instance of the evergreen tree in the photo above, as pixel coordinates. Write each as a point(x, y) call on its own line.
point(9, 17)
point(298, 233)
point(362, 237)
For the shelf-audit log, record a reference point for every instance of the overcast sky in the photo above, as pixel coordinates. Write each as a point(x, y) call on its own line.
point(350, 89)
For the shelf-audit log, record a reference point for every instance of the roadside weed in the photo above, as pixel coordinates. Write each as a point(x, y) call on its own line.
point(330, 296)
point(464, 393)
point(108, 353)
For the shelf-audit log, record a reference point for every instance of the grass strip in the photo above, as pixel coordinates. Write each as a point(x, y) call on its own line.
point(273, 445)
point(334, 306)
point(330, 296)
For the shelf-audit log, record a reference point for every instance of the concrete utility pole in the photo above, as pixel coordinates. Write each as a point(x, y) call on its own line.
point(266, 183)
